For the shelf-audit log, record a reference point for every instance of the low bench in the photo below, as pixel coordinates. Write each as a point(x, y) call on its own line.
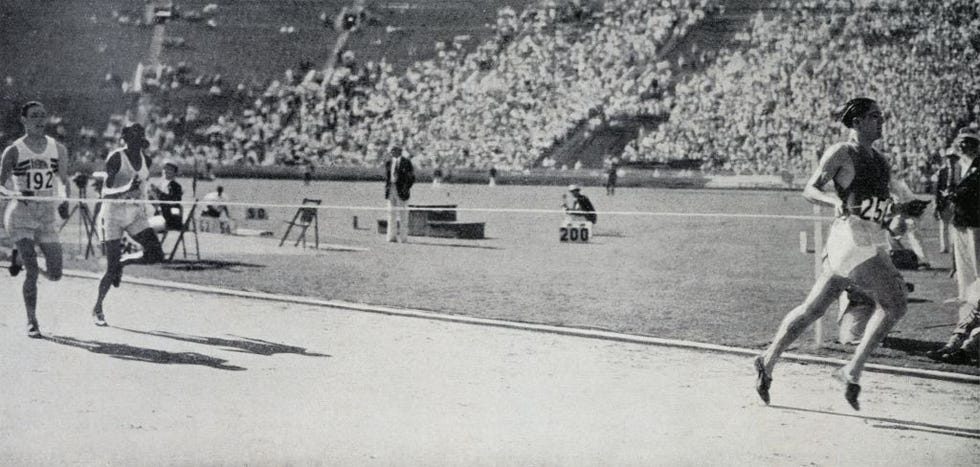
point(437, 221)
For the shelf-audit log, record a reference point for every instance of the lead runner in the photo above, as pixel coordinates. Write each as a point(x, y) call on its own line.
point(855, 257)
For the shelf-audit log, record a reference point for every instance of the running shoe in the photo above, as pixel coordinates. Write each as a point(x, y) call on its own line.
point(99, 319)
point(851, 389)
point(33, 331)
point(762, 380)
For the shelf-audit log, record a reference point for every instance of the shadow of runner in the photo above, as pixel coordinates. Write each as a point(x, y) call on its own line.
point(242, 344)
point(414, 241)
point(207, 265)
point(895, 424)
point(129, 352)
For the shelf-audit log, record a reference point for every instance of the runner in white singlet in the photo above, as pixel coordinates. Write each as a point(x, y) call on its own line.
point(32, 163)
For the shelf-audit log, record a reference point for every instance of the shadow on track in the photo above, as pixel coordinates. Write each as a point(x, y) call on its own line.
point(911, 346)
point(140, 354)
point(241, 344)
point(455, 245)
point(207, 265)
point(895, 424)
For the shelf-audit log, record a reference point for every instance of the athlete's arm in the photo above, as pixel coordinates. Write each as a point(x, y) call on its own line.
point(112, 165)
point(835, 166)
point(7, 167)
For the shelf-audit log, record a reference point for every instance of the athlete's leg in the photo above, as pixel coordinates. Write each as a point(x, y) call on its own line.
point(52, 260)
point(152, 250)
point(826, 289)
point(112, 276)
point(28, 258)
point(879, 277)
point(15, 265)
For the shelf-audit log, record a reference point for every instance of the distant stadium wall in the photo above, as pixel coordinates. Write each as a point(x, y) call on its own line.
point(627, 178)
point(589, 177)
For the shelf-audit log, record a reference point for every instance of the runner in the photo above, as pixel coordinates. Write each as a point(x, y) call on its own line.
point(855, 258)
point(127, 171)
point(32, 161)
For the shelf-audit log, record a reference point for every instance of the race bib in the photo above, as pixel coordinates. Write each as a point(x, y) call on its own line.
point(39, 180)
point(874, 209)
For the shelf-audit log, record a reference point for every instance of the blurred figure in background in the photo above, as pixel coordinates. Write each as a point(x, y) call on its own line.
point(399, 178)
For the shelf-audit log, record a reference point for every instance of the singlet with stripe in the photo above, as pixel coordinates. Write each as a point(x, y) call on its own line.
point(34, 172)
point(868, 195)
point(872, 176)
point(128, 180)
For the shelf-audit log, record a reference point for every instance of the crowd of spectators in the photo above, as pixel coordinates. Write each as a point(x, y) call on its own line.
point(547, 70)
point(763, 107)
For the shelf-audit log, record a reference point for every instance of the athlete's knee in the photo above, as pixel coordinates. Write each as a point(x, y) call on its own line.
point(153, 255)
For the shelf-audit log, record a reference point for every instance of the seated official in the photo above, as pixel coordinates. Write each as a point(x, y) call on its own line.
point(166, 188)
point(215, 210)
point(218, 210)
point(581, 207)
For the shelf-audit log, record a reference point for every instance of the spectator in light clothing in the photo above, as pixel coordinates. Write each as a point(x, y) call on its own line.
point(944, 208)
point(966, 216)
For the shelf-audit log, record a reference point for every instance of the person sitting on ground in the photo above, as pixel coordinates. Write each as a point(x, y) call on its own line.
point(218, 210)
point(167, 189)
point(963, 345)
point(581, 207)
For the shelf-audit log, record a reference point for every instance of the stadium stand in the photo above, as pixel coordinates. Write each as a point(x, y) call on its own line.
point(763, 106)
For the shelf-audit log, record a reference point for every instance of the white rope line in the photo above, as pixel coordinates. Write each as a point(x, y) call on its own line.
point(421, 208)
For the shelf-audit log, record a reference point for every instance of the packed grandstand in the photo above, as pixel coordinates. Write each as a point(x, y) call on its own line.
point(757, 102)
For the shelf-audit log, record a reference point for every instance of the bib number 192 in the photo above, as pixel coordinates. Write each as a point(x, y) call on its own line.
point(40, 180)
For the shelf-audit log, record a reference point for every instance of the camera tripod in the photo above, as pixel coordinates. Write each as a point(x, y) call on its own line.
point(86, 222)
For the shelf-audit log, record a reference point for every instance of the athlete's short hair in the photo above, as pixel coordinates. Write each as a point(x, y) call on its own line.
point(852, 109)
point(27, 107)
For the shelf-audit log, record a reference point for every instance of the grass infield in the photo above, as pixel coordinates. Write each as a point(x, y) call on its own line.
point(725, 281)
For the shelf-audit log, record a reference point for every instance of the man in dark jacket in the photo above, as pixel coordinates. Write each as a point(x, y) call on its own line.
point(581, 204)
point(965, 197)
point(168, 190)
point(399, 178)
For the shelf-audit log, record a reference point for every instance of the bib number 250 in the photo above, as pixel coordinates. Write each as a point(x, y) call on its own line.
point(574, 234)
point(874, 209)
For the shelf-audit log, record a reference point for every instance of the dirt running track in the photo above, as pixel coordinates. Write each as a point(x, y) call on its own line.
point(187, 378)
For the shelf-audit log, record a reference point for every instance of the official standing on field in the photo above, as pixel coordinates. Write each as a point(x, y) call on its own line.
point(965, 197)
point(399, 178)
point(943, 188)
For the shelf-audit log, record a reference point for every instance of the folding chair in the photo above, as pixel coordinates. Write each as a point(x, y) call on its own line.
point(188, 225)
point(304, 218)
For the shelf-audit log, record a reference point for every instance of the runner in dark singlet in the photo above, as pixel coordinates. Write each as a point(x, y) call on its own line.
point(856, 258)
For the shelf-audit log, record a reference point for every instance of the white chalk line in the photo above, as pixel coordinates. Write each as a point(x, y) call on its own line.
point(249, 204)
point(532, 327)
